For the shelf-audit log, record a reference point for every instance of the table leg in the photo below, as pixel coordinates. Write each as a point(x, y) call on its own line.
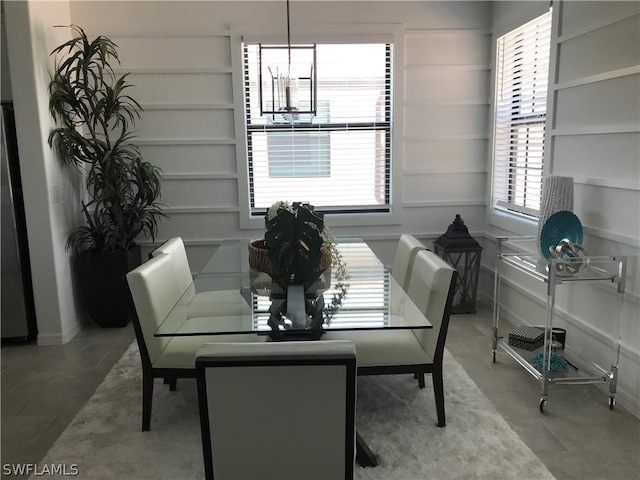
point(364, 456)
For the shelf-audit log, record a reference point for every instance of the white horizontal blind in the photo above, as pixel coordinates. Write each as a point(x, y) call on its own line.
point(366, 303)
point(522, 61)
point(338, 160)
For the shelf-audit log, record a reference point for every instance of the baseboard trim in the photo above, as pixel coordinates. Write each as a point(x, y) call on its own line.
point(56, 338)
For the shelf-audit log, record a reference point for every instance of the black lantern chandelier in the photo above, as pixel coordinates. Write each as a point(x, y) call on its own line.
point(287, 78)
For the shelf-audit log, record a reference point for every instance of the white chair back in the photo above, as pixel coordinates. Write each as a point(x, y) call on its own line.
point(408, 247)
point(154, 291)
point(174, 247)
point(200, 304)
point(430, 283)
point(277, 410)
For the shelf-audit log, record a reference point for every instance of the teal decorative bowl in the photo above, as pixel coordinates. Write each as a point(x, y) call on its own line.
point(562, 224)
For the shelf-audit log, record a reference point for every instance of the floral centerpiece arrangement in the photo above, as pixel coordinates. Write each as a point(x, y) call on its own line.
point(295, 239)
point(297, 248)
point(297, 245)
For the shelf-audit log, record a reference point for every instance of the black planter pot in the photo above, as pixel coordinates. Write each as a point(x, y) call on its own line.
point(103, 285)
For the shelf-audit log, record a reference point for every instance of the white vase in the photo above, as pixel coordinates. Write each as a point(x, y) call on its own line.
point(557, 195)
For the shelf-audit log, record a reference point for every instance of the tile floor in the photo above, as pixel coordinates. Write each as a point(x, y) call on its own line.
point(577, 437)
point(43, 387)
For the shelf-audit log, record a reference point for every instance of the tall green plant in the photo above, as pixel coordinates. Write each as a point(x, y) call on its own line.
point(96, 118)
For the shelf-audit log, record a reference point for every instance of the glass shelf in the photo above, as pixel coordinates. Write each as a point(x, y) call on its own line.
point(521, 253)
point(572, 373)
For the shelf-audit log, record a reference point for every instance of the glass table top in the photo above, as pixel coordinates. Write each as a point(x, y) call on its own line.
point(228, 297)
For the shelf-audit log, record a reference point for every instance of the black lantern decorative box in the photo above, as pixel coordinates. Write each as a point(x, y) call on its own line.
point(462, 252)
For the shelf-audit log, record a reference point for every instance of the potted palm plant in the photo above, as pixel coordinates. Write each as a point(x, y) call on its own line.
point(95, 118)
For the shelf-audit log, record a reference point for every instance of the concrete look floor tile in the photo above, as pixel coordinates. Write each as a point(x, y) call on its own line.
point(41, 360)
point(111, 358)
point(518, 404)
point(469, 345)
point(15, 402)
point(65, 395)
point(463, 323)
point(497, 377)
point(576, 434)
point(581, 465)
point(9, 381)
point(19, 435)
point(7, 361)
point(577, 403)
point(106, 340)
point(536, 435)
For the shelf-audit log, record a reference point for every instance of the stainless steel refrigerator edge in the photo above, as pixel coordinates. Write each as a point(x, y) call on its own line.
point(18, 313)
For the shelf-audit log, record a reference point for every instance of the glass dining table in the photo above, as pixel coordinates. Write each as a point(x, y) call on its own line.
point(228, 297)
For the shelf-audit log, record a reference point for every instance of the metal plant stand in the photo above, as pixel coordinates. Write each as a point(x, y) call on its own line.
point(520, 253)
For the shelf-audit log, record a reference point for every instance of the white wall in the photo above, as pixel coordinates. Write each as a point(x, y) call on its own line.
point(30, 38)
point(187, 78)
point(593, 135)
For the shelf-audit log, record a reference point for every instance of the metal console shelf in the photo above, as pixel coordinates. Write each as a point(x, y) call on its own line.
point(521, 254)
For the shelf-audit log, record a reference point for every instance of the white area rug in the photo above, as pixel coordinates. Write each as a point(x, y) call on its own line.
point(395, 417)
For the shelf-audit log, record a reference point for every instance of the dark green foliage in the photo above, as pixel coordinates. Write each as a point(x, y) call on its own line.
point(96, 117)
point(294, 241)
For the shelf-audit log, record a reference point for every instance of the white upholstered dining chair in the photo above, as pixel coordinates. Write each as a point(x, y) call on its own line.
point(203, 304)
point(419, 351)
point(277, 410)
point(154, 290)
point(174, 247)
point(406, 250)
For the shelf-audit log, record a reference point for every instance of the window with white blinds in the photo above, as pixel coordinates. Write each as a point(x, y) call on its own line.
point(338, 160)
point(522, 71)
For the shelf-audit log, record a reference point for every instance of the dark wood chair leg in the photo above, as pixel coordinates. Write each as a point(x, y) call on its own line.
point(173, 384)
point(166, 380)
point(364, 456)
point(147, 400)
point(438, 392)
point(420, 379)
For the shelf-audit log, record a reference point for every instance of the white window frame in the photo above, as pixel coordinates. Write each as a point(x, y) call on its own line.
point(500, 213)
point(337, 34)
